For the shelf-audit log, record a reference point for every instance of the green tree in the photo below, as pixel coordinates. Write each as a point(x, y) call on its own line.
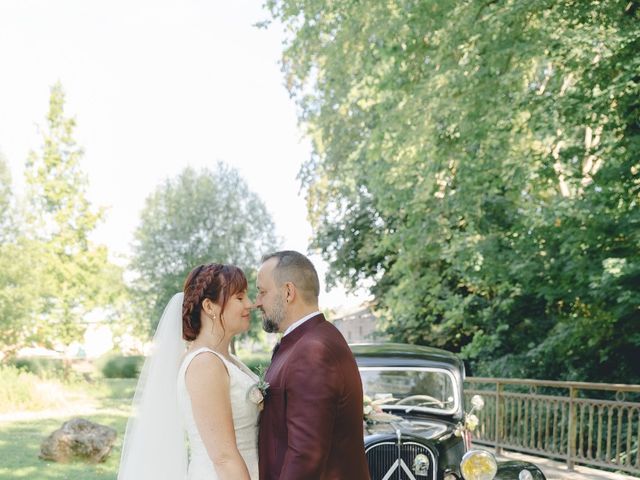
point(70, 276)
point(19, 287)
point(197, 217)
point(16, 303)
point(478, 163)
point(5, 200)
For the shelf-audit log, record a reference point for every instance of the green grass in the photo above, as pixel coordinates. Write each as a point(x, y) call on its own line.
point(105, 401)
point(20, 439)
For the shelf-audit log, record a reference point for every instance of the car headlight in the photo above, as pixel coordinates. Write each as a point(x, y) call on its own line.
point(525, 475)
point(478, 465)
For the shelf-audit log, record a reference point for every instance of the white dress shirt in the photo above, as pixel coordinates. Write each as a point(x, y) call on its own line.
point(296, 324)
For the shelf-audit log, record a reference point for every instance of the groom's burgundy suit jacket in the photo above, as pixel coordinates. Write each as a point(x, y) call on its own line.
point(311, 425)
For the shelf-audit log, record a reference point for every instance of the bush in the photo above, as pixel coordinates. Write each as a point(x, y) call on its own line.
point(21, 390)
point(42, 367)
point(122, 367)
point(257, 362)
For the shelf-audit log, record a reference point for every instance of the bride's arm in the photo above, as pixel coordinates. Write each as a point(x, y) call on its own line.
point(207, 381)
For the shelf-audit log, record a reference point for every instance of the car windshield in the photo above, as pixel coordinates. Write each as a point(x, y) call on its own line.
point(411, 389)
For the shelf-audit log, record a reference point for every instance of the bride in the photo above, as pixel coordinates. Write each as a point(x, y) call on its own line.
point(203, 391)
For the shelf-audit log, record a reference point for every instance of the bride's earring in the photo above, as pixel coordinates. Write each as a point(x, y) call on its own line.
point(213, 320)
point(221, 321)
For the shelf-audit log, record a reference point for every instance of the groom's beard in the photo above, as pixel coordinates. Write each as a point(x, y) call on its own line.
point(271, 321)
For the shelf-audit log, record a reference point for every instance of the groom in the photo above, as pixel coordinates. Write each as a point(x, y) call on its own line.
point(311, 425)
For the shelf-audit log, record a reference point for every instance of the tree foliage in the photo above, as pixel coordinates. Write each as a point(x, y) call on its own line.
point(6, 197)
point(52, 274)
point(19, 300)
point(15, 303)
point(478, 163)
point(195, 218)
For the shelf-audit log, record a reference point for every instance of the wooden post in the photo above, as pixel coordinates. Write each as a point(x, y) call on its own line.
point(572, 429)
point(498, 419)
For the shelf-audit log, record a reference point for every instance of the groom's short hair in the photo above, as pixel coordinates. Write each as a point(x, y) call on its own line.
point(296, 268)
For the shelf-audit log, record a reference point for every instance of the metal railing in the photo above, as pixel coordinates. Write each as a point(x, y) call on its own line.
point(595, 424)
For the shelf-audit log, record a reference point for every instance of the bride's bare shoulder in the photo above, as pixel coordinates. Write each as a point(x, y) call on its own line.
point(204, 366)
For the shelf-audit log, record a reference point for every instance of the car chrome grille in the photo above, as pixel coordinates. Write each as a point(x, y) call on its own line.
point(388, 462)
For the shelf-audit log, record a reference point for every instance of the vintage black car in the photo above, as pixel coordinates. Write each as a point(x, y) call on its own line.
point(416, 426)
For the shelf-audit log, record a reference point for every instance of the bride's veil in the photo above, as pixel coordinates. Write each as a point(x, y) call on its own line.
point(154, 443)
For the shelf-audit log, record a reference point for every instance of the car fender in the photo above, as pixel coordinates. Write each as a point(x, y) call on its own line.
point(511, 470)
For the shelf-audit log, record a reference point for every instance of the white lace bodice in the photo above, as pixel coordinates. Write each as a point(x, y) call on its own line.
point(245, 418)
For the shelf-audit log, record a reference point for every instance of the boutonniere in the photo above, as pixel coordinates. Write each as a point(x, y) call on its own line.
point(372, 410)
point(258, 391)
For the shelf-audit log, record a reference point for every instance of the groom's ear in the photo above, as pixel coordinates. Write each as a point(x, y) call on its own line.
point(290, 292)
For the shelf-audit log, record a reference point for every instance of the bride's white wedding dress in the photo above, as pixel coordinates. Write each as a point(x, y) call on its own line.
point(245, 418)
point(154, 444)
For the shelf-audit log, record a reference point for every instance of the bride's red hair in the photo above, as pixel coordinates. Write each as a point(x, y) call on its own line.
point(214, 281)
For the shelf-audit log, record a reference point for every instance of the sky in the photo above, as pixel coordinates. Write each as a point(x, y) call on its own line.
point(156, 86)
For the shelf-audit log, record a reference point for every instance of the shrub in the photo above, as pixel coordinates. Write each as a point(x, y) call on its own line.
point(122, 367)
point(21, 390)
point(42, 367)
point(257, 362)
